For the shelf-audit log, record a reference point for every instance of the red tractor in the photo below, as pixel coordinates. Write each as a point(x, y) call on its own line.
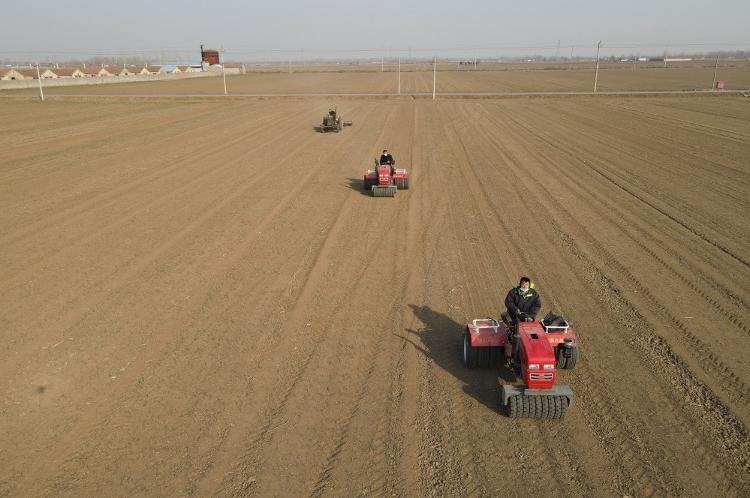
point(383, 180)
point(536, 350)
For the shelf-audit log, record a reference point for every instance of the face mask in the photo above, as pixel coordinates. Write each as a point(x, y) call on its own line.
point(523, 291)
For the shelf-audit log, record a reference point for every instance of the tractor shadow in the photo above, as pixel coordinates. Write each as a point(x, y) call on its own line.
point(440, 341)
point(356, 184)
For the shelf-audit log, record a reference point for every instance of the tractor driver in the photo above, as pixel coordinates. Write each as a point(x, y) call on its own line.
point(522, 302)
point(387, 158)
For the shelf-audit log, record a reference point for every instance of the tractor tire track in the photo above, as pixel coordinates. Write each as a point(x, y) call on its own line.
point(247, 464)
point(247, 243)
point(475, 215)
point(249, 460)
point(377, 466)
point(637, 474)
point(575, 484)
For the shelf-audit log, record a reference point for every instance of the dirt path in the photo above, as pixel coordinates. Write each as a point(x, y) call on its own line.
point(198, 299)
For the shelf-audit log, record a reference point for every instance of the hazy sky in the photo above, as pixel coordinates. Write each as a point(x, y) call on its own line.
point(172, 26)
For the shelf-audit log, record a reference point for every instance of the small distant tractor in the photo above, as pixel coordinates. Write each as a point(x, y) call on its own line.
point(535, 350)
point(333, 122)
point(384, 179)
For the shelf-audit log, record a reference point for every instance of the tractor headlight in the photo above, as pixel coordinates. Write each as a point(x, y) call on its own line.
point(533, 366)
point(549, 367)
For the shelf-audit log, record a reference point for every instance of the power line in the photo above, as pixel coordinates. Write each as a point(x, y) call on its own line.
point(468, 48)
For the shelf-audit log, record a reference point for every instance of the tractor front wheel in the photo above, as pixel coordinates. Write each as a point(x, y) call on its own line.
point(566, 358)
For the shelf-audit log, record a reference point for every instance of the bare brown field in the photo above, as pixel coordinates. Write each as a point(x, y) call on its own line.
point(198, 299)
point(413, 82)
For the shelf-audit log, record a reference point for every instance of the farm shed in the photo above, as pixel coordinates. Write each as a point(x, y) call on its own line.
point(95, 71)
point(137, 70)
point(68, 72)
point(7, 74)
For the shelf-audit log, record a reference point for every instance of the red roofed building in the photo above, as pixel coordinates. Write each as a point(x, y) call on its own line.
point(94, 71)
point(68, 72)
point(210, 56)
point(27, 73)
point(7, 74)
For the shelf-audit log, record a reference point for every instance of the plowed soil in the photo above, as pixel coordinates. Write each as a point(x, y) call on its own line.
point(199, 298)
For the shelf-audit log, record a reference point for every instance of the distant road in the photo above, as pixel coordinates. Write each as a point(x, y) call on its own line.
point(58, 96)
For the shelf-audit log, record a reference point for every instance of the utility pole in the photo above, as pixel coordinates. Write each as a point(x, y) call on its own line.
point(39, 78)
point(557, 52)
point(571, 56)
point(716, 69)
point(434, 76)
point(223, 73)
point(399, 75)
point(596, 75)
point(381, 63)
point(224, 77)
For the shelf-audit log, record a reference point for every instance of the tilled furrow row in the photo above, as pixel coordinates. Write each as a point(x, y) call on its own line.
point(625, 220)
point(251, 460)
point(71, 215)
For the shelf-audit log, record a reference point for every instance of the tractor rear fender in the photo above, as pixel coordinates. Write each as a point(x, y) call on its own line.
point(508, 390)
point(484, 336)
